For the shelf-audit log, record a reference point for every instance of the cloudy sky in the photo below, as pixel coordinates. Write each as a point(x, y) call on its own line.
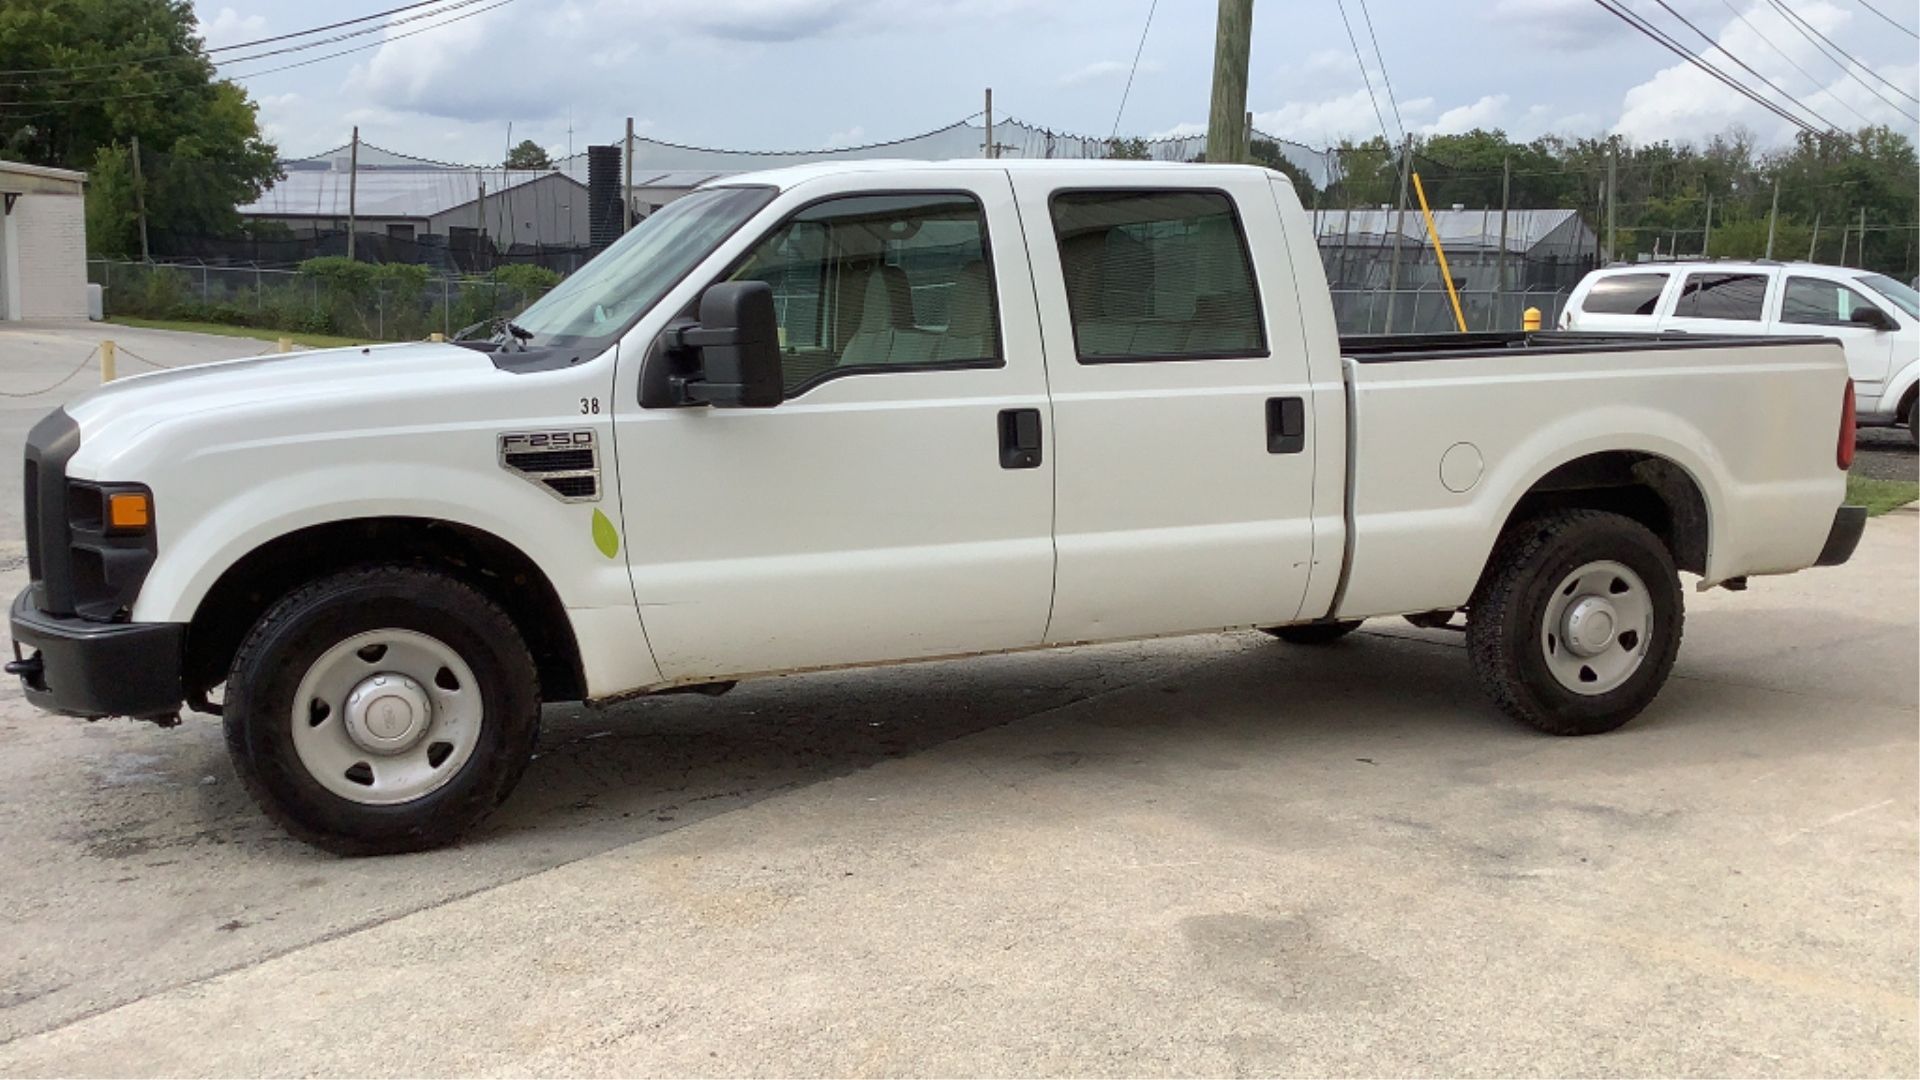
point(803, 74)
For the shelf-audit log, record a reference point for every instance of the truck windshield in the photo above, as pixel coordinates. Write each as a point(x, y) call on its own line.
point(1907, 300)
point(604, 297)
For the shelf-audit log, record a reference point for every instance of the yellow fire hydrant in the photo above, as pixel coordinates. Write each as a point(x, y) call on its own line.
point(1530, 319)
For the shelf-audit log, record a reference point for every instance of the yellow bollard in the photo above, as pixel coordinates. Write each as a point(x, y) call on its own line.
point(436, 336)
point(286, 344)
point(106, 361)
point(1530, 319)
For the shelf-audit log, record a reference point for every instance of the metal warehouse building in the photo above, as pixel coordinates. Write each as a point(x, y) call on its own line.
point(43, 243)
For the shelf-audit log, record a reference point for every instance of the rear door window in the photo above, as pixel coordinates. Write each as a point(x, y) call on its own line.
point(1157, 275)
point(1625, 294)
point(1732, 297)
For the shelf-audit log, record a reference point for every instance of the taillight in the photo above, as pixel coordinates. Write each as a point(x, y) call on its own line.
point(1843, 455)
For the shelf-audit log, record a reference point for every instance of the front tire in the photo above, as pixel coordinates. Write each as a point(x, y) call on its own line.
point(1577, 621)
point(382, 710)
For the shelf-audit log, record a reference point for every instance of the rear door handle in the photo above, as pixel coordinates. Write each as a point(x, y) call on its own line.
point(1019, 438)
point(1286, 425)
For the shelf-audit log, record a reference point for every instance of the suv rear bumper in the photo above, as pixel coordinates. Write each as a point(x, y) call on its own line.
point(1848, 523)
point(94, 669)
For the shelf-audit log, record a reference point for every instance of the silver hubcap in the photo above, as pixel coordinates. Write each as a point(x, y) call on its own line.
point(1597, 628)
point(386, 717)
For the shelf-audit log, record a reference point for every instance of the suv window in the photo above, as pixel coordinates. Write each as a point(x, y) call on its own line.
point(1820, 303)
point(1625, 294)
point(879, 283)
point(1722, 296)
point(1156, 275)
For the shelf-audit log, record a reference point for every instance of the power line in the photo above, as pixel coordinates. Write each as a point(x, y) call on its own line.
point(1813, 35)
point(1619, 11)
point(1364, 77)
point(302, 47)
point(118, 64)
point(1710, 40)
point(1384, 80)
point(1890, 21)
point(1819, 87)
point(1137, 50)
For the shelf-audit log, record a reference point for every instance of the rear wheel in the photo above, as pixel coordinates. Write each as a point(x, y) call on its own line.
point(1319, 633)
point(1577, 622)
point(382, 710)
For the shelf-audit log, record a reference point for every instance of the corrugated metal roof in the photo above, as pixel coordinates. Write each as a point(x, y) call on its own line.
point(1458, 228)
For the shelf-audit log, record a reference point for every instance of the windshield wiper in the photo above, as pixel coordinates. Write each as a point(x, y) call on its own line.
point(500, 331)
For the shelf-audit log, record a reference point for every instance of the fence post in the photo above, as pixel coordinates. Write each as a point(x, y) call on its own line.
point(106, 361)
point(446, 307)
point(284, 345)
point(205, 297)
point(259, 290)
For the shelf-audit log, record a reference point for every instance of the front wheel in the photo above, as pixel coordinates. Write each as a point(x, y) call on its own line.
point(1577, 622)
point(382, 710)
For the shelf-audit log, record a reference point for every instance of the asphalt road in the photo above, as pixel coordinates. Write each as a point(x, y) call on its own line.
point(1216, 855)
point(1886, 454)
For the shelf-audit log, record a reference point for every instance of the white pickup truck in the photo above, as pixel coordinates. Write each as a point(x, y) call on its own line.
point(865, 413)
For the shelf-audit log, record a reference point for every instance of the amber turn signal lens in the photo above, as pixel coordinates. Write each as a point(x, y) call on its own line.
point(129, 510)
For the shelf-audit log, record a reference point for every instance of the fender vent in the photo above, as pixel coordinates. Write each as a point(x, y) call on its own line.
point(566, 463)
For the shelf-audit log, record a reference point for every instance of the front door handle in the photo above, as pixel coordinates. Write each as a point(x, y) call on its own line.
point(1019, 438)
point(1286, 425)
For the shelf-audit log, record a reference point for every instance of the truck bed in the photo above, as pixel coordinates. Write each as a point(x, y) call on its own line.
point(1396, 348)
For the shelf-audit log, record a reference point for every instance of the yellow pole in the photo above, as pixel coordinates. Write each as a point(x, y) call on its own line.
point(1446, 275)
point(106, 361)
point(285, 344)
point(1530, 319)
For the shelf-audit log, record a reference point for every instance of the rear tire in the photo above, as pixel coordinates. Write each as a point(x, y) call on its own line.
point(1318, 633)
point(382, 710)
point(1577, 621)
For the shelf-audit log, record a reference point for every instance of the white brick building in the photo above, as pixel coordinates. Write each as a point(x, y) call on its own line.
point(43, 243)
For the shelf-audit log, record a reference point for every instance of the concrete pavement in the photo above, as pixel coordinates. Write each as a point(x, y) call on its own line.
point(1219, 855)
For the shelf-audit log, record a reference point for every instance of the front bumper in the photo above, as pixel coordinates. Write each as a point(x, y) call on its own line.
point(94, 669)
point(1848, 523)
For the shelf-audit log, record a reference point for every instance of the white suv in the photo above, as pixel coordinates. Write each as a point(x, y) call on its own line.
point(1875, 317)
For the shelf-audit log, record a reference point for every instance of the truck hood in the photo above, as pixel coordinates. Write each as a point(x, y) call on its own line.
point(129, 406)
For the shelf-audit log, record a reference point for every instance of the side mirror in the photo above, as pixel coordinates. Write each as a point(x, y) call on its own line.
point(1872, 316)
point(737, 345)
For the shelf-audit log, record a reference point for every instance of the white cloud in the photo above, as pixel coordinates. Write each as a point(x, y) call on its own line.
point(228, 27)
point(1682, 102)
point(852, 136)
point(1183, 129)
point(1107, 69)
point(1485, 113)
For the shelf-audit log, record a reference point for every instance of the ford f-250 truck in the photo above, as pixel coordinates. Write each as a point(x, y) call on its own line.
point(865, 413)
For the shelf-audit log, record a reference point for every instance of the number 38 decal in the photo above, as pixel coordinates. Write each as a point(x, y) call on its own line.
point(589, 406)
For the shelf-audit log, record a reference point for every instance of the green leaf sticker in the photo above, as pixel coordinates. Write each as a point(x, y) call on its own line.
point(605, 537)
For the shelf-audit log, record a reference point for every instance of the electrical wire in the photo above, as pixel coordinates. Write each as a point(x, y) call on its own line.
point(1890, 20)
point(1619, 11)
point(1385, 136)
point(1715, 44)
point(1367, 17)
point(1819, 87)
point(1808, 31)
point(1137, 50)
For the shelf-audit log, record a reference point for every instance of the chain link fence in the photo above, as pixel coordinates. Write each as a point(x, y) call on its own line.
point(1426, 309)
point(396, 307)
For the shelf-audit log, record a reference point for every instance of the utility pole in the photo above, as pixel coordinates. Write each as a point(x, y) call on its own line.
point(1506, 183)
point(1246, 140)
point(1232, 47)
point(1815, 241)
point(1773, 216)
point(1399, 228)
point(1706, 240)
point(626, 189)
point(992, 150)
point(1613, 186)
point(140, 200)
point(353, 188)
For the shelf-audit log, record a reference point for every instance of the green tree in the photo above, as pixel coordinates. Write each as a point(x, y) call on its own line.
point(93, 75)
point(528, 155)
